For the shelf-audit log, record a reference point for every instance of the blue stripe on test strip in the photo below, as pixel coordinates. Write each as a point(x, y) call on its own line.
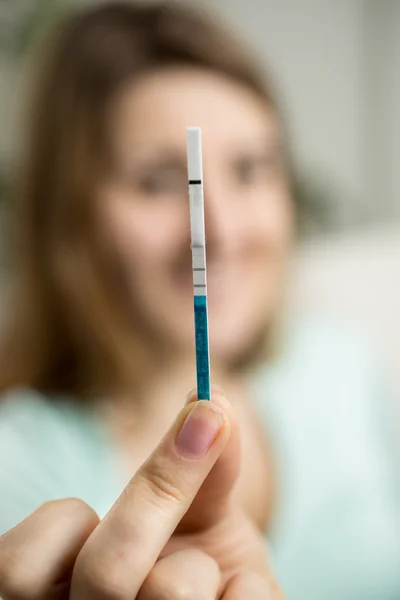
point(202, 349)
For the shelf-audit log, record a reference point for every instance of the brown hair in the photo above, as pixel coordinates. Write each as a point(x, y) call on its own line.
point(68, 326)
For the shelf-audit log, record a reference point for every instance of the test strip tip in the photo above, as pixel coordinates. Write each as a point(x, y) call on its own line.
point(195, 170)
point(193, 130)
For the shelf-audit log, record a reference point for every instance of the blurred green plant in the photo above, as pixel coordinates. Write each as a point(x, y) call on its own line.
point(20, 22)
point(4, 184)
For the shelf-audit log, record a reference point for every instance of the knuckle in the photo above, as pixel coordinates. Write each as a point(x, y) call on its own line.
point(77, 511)
point(19, 577)
point(176, 581)
point(159, 587)
point(161, 486)
point(71, 512)
point(67, 506)
point(16, 580)
point(248, 583)
point(185, 592)
point(100, 581)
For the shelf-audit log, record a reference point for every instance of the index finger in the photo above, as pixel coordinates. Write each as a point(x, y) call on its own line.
point(124, 547)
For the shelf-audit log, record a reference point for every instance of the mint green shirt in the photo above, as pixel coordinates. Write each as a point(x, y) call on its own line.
point(336, 531)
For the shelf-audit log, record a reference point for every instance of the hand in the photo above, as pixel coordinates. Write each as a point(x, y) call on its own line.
point(173, 533)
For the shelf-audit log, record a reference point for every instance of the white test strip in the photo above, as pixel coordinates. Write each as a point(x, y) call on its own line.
point(196, 201)
point(196, 198)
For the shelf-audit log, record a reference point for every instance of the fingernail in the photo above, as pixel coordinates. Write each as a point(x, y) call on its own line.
point(199, 430)
point(215, 389)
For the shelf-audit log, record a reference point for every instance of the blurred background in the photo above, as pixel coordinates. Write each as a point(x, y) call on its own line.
point(336, 65)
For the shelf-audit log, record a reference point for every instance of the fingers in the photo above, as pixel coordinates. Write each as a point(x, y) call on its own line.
point(251, 585)
point(125, 546)
point(39, 553)
point(211, 502)
point(184, 575)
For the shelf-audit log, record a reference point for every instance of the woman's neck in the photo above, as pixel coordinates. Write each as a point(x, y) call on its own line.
point(155, 401)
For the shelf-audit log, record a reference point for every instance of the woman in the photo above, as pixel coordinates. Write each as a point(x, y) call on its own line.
point(98, 356)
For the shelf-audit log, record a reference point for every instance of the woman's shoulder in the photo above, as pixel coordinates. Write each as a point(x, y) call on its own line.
point(19, 405)
point(51, 424)
point(327, 384)
point(28, 421)
point(328, 341)
point(324, 353)
point(29, 454)
point(324, 401)
point(49, 448)
point(30, 418)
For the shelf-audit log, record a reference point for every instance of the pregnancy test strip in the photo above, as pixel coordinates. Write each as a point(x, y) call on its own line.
point(198, 239)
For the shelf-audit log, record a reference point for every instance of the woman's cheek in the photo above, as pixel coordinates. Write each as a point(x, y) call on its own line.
point(148, 236)
point(278, 219)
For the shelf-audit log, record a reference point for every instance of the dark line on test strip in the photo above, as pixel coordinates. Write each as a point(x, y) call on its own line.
point(198, 269)
point(194, 181)
point(199, 285)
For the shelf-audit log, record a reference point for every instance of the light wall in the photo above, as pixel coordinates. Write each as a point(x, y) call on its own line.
point(338, 66)
point(315, 50)
point(382, 94)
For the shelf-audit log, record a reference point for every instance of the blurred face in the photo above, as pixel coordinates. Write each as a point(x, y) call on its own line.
point(145, 208)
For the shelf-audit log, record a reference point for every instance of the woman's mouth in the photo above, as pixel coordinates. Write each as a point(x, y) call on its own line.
point(223, 281)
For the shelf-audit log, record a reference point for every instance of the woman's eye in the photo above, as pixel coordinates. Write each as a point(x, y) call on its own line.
point(162, 182)
point(252, 170)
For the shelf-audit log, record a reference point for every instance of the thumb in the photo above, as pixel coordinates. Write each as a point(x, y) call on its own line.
point(212, 500)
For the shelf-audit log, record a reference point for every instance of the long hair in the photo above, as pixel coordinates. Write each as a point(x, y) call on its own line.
point(67, 330)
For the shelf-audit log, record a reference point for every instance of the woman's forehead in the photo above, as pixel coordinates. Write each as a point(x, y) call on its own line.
point(157, 109)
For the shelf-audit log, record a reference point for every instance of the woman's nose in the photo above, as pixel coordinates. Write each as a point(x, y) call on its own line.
point(221, 219)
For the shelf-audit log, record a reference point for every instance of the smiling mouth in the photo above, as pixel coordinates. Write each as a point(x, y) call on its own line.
point(222, 281)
